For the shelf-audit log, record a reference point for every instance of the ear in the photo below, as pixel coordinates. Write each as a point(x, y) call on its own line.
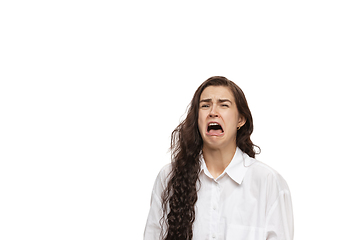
point(241, 122)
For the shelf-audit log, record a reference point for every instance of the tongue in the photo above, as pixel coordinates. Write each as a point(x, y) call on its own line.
point(215, 132)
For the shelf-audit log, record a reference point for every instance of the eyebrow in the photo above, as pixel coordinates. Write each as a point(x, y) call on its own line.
point(224, 100)
point(220, 100)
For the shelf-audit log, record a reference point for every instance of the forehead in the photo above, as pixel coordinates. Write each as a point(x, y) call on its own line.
point(217, 92)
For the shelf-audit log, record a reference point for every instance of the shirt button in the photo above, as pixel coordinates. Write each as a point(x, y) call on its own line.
point(214, 207)
point(214, 236)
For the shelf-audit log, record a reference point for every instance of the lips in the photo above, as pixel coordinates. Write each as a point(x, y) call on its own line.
point(214, 129)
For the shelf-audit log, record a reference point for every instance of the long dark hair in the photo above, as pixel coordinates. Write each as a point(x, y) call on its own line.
point(180, 195)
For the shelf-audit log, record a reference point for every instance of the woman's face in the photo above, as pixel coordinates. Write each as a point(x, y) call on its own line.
point(218, 117)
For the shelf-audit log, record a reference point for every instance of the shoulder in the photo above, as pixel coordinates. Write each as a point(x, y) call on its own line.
point(164, 173)
point(162, 179)
point(264, 174)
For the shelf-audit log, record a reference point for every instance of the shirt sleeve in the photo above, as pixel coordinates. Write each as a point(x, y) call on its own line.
point(280, 222)
point(153, 227)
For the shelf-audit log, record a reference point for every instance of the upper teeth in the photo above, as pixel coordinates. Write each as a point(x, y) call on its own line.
point(212, 124)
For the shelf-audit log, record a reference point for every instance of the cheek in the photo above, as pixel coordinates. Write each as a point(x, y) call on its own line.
point(231, 120)
point(201, 121)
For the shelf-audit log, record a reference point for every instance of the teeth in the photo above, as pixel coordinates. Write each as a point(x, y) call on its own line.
point(213, 124)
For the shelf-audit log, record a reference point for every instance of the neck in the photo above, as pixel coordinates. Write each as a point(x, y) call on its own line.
point(217, 159)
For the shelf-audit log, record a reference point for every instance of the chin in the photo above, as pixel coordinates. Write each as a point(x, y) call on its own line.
point(217, 142)
point(214, 142)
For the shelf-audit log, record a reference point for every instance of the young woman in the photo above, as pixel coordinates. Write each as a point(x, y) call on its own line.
point(214, 188)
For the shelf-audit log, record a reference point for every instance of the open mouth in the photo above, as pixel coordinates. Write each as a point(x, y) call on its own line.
point(214, 129)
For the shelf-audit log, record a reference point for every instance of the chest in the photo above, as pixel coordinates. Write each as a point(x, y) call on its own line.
point(225, 206)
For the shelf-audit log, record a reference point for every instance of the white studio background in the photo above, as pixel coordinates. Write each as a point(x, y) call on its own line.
point(90, 92)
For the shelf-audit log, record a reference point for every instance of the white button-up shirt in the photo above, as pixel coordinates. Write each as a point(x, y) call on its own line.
point(248, 201)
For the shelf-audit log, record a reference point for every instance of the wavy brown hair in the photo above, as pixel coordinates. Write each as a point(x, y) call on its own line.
point(180, 194)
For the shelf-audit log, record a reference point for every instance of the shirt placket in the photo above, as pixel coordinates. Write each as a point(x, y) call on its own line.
point(215, 214)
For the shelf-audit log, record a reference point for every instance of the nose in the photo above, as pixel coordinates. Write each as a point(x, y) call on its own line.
point(213, 113)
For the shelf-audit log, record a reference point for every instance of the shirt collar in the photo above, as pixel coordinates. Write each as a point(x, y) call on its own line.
point(237, 168)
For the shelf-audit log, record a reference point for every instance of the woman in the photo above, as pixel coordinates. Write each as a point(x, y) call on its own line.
point(214, 188)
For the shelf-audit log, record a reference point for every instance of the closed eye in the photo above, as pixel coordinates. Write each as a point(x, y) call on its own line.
point(205, 106)
point(224, 105)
